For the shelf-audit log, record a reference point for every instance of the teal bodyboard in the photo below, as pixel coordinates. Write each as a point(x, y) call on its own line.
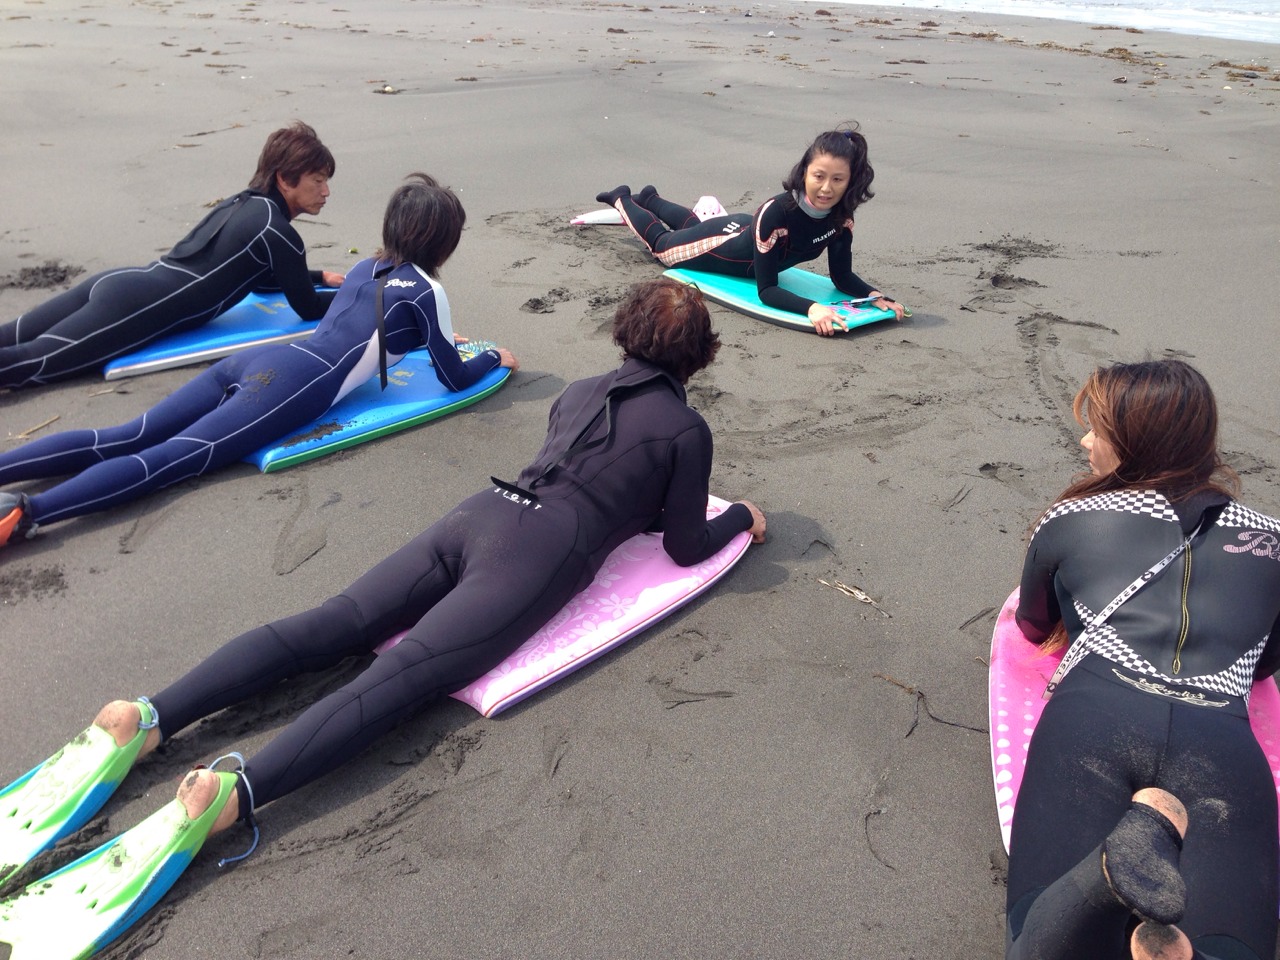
point(256, 320)
point(739, 293)
point(414, 395)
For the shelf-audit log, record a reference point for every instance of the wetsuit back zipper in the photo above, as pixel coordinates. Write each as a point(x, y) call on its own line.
point(1186, 614)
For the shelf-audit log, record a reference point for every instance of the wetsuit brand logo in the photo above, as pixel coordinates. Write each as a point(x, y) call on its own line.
point(733, 226)
point(402, 283)
point(516, 498)
point(1257, 542)
point(825, 237)
point(1196, 699)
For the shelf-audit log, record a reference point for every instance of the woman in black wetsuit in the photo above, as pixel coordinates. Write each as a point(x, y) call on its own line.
point(623, 454)
point(814, 213)
point(1145, 825)
point(246, 243)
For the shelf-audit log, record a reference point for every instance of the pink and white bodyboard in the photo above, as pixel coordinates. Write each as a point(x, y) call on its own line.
point(636, 587)
point(1019, 674)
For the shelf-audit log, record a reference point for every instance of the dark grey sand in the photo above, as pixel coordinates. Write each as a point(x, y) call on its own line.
point(779, 770)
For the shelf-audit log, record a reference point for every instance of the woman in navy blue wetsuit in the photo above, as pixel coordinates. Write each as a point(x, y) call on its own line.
point(1147, 801)
point(815, 213)
point(624, 453)
point(246, 243)
point(248, 400)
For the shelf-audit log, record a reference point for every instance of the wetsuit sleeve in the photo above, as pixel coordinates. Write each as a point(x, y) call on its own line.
point(290, 274)
point(840, 265)
point(1269, 663)
point(688, 536)
point(451, 370)
point(769, 223)
point(1038, 612)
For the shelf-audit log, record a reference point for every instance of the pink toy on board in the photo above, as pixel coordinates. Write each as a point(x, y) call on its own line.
point(1019, 674)
point(636, 587)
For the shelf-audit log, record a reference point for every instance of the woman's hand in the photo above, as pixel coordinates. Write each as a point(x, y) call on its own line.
point(757, 521)
point(508, 359)
point(824, 319)
point(884, 303)
point(459, 338)
point(331, 279)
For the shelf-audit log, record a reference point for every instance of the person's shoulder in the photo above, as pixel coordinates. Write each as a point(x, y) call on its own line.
point(1236, 514)
point(1148, 504)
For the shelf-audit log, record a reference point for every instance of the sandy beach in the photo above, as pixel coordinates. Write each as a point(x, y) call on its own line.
point(779, 770)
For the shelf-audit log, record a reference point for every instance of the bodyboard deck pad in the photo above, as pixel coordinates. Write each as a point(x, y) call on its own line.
point(740, 294)
point(637, 586)
point(256, 320)
point(414, 395)
point(1019, 674)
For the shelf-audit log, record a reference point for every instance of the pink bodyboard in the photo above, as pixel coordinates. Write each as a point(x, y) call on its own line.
point(1019, 675)
point(636, 587)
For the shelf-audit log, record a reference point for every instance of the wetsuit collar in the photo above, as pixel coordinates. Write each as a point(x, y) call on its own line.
point(275, 196)
point(803, 203)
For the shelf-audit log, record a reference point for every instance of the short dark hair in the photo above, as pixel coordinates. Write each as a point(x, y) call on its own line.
point(292, 152)
point(848, 145)
point(666, 322)
point(422, 225)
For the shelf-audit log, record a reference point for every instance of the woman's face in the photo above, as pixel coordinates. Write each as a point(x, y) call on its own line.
point(1102, 456)
point(825, 181)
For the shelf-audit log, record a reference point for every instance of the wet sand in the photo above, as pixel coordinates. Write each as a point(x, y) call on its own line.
point(778, 770)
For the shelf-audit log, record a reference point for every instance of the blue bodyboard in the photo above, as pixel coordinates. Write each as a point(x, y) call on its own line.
point(256, 320)
point(414, 395)
point(739, 293)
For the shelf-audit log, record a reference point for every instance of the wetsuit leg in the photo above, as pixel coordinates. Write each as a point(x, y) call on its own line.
point(100, 319)
point(222, 416)
point(1099, 742)
point(674, 215)
point(700, 246)
point(470, 590)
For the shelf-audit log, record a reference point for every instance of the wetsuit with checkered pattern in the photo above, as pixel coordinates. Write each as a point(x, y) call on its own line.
point(1155, 697)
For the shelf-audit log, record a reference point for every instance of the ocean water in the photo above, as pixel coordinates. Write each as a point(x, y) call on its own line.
point(1257, 20)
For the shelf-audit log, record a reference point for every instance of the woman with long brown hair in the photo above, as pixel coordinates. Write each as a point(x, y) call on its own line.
point(1146, 821)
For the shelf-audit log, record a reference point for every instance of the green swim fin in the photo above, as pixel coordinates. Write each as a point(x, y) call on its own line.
point(76, 911)
point(59, 796)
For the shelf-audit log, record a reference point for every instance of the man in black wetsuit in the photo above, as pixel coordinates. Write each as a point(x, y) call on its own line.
point(246, 243)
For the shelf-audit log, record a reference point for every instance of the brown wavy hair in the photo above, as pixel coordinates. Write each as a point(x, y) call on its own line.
point(848, 145)
point(423, 224)
point(666, 323)
point(1161, 420)
point(292, 152)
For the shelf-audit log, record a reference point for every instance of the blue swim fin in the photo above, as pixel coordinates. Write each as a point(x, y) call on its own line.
point(59, 796)
point(76, 911)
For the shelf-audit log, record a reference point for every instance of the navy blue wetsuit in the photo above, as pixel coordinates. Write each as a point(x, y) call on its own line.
point(480, 581)
point(1155, 697)
point(247, 400)
point(779, 236)
point(246, 243)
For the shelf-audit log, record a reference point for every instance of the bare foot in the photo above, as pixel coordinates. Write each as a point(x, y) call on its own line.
point(199, 790)
point(1166, 803)
point(1155, 941)
point(120, 718)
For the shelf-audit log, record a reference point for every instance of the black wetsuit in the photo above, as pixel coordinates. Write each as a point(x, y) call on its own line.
point(1155, 697)
point(779, 236)
point(246, 243)
point(479, 582)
